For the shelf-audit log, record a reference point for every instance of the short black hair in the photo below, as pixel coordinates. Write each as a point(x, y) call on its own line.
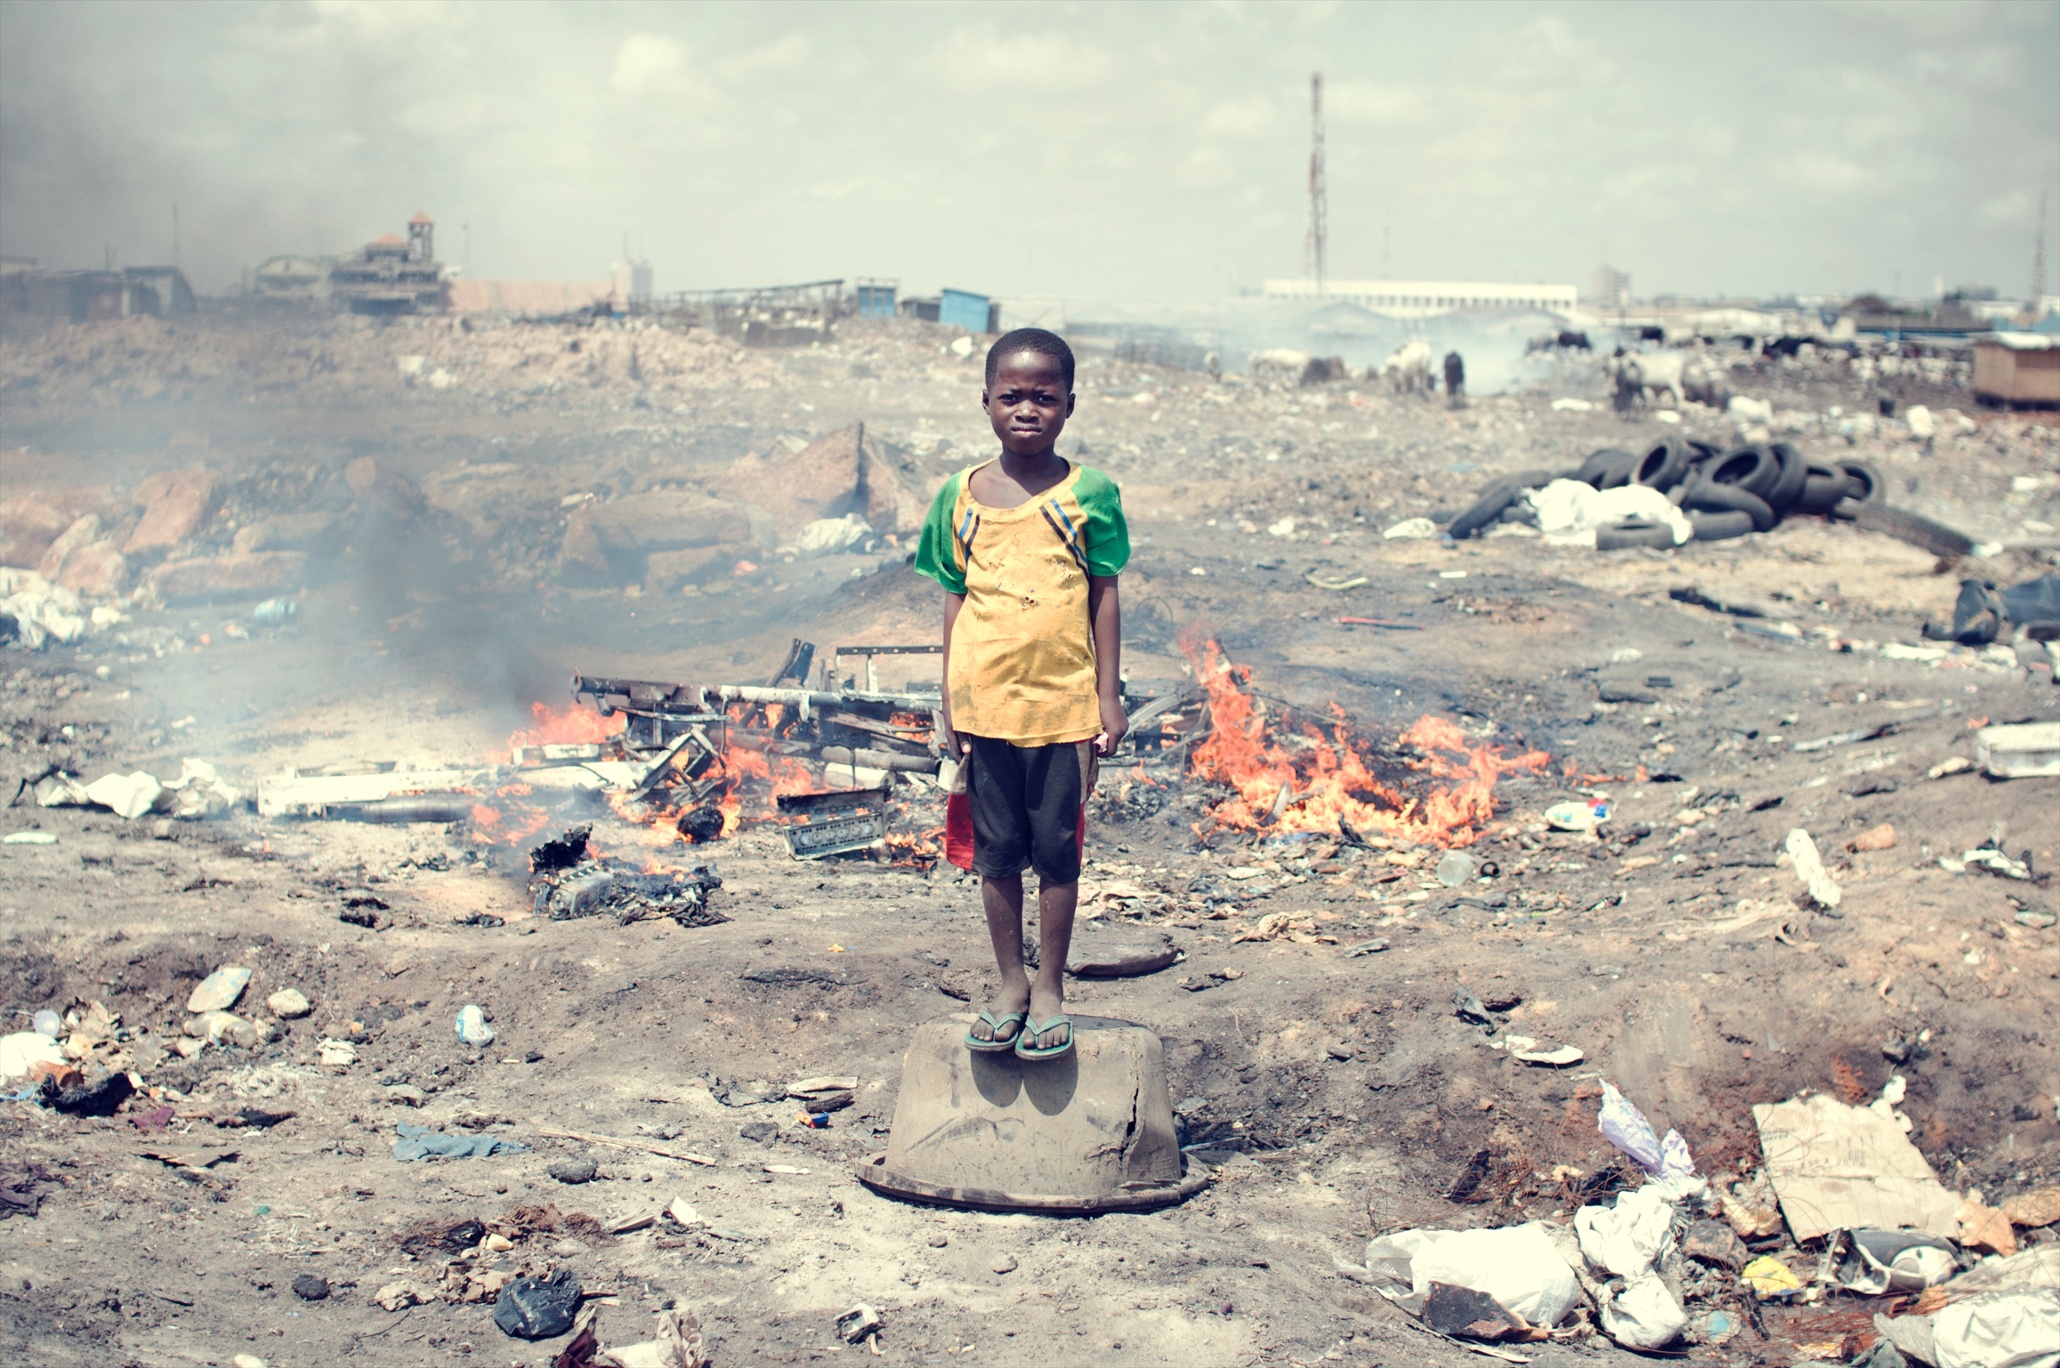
point(1032, 340)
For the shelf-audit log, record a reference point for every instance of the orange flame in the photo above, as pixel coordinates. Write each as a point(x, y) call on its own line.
point(570, 725)
point(1325, 777)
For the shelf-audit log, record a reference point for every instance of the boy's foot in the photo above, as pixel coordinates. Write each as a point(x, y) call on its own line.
point(998, 1013)
point(1043, 1006)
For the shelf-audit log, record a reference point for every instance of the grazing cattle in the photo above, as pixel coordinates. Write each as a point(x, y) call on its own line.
point(1408, 369)
point(1654, 371)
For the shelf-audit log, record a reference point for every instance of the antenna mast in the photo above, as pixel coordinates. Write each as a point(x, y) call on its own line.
point(1313, 246)
point(2038, 258)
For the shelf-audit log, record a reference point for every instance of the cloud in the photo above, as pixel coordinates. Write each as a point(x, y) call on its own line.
point(649, 63)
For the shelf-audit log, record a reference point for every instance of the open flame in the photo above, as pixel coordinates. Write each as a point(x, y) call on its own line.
point(1320, 780)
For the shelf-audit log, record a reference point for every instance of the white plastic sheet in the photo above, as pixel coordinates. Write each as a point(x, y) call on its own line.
point(825, 536)
point(1631, 1237)
point(1518, 1266)
point(2012, 1330)
point(1569, 511)
point(1644, 1315)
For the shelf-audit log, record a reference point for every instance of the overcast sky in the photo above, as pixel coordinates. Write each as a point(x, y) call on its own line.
point(1111, 150)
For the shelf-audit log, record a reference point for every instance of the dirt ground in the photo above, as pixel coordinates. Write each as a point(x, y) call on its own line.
point(1340, 1094)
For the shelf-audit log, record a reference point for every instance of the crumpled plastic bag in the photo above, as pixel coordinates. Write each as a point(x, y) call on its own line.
point(1632, 1237)
point(827, 535)
point(1518, 1266)
point(126, 795)
point(1644, 1315)
point(39, 611)
point(420, 1142)
point(1569, 511)
point(1624, 1126)
point(1873, 1262)
point(2011, 1330)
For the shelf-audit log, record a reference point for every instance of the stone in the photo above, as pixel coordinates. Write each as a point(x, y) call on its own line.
point(398, 1296)
point(226, 1027)
point(665, 572)
point(28, 526)
point(383, 490)
point(1873, 838)
point(847, 471)
point(219, 990)
point(453, 1235)
point(247, 1361)
point(1005, 1264)
point(98, 570)
point(2038, 1207)
point(176, 503)
point(82, 532)
point(288, 532)
point(1122, 959)
point(759, 1132)
point(254, 575)
point(619, 537)
point(288, 1004)
point(311, 1287)
point(580, 1170)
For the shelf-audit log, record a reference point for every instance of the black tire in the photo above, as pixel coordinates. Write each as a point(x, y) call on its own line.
point(1788, 485)
point(1913, 528)
point(1822, 491)
point(1495, 496)
point(1720, 526)
point(1621, 536)
point(1664, 466)
point(1699, 451)
point(1610, 463)
point(1709, 497)
point(1865, 483)
point(1753, 469)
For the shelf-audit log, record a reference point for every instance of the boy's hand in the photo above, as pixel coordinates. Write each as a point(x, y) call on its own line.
point(954, 747)
point(1115, 725)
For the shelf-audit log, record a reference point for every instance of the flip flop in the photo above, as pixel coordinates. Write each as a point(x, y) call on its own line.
point(998, 1045)
point(1032, 1029)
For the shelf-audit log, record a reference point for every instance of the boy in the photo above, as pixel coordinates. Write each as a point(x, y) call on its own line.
point(1027, 548)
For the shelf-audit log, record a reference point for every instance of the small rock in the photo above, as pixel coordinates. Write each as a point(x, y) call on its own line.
point(1501, 999)
point(2033, 917)
point(498, 1244)
point(339, 1052)
point(398, 1296)
point(311, 1287)
point(582, 1170)
point(406, 1096)
point(1873, 838)
point(288, 1004)
point(1005, 1264)
point(451, 1236)
point(1341, 1053)
point(218, 991)
point(939, 1241)
point(217, 1025)
point(759, 1132)
point(247, 1361)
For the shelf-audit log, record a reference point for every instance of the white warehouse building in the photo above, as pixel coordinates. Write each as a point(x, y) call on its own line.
point(1422, 298)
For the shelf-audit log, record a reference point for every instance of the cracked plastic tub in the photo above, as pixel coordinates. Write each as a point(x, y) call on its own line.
point(1088, 1132)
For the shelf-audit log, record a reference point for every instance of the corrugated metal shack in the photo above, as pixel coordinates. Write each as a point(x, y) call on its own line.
point(2018, 370)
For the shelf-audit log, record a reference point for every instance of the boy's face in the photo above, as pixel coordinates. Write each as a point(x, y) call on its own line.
point(1028, 402)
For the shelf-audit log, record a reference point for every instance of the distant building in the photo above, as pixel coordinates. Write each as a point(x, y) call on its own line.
point(1424, 298)
point(529, 298)
point(392, 276)
point(876, 298)
point(2018, 369)
point(90, 296)
point(976, 313)
point(1611, 288)
point(631, 282)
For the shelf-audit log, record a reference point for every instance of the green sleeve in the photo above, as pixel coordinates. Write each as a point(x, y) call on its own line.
point(1108, 534)
point(936, 553)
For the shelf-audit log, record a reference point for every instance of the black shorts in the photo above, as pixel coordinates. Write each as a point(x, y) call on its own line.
point(1028, 807)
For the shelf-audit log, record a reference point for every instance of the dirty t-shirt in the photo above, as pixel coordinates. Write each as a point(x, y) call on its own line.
point(1022, 653)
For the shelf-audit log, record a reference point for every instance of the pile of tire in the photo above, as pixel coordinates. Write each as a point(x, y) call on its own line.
point(1724, 493)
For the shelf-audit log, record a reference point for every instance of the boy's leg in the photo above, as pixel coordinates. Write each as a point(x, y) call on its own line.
point(1059, 778)
point(1002, 900)
point(1001, 851)
point(1047, 993)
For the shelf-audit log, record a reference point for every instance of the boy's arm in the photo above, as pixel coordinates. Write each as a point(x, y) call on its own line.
point(1105, 615)
point(952, 604)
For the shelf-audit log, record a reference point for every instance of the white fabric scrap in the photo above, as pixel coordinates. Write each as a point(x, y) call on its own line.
point(1644, 1315)
point(1631, 1237)
point(2013, 1330)
point(1809, 867)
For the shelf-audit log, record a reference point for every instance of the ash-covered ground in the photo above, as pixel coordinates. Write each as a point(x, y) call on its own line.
point(464, 518)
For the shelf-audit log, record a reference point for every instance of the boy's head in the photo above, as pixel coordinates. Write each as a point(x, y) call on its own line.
point(1029, 390)
point(1031, 340)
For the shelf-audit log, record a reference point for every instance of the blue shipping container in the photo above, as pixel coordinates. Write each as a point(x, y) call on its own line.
point(963, 310)
point(876, 301)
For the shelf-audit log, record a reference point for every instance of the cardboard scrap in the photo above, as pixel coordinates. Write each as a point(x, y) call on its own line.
point(1836, 1167)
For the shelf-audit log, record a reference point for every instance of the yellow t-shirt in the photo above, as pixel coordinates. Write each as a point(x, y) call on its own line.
point(1022, 654)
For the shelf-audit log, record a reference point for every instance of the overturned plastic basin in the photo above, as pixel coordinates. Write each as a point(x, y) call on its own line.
point(1088, 1132)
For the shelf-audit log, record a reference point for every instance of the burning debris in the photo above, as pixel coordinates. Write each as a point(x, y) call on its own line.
point(570, 880)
